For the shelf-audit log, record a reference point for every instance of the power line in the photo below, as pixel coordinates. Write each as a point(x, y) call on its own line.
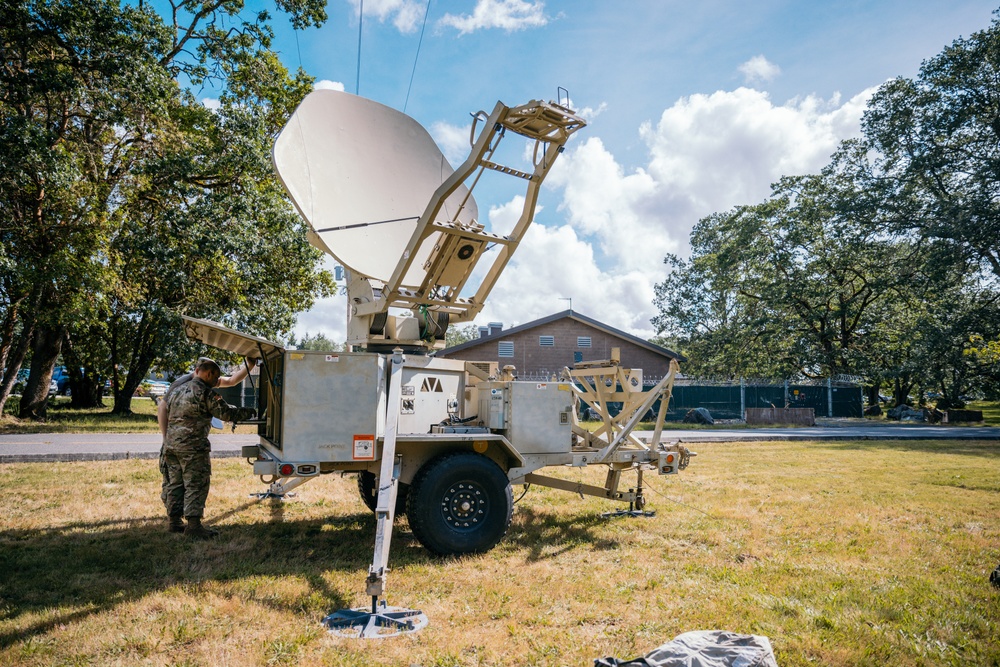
point(419, 42)
point(361, 20)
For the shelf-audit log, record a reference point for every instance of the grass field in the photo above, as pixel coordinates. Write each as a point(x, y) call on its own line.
point(842, 553)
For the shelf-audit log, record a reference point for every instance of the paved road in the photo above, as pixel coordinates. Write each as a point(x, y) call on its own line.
point(103, 446)
point(100, 447)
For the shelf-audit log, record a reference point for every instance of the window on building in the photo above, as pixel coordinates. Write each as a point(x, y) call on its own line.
point(583, 341)
point(547, 341)
point(505, 348)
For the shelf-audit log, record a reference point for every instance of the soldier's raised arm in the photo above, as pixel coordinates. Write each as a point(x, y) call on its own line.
point(218, 407)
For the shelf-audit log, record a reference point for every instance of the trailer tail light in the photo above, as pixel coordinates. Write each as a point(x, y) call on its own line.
point(286, 469)
point(306, 469)
point(669, 463)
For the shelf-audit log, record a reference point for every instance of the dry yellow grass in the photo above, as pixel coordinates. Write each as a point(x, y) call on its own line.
point(845, 553)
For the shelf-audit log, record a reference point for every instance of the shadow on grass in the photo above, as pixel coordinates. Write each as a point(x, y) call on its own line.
point(545, 535)
point(87, 568)
point(989, 449)
point(68, 572)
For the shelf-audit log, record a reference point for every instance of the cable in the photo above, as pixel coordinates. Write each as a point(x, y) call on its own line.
point(419, 42)
point(523, 493)
point(361, 21)
point(298, 48)
point(690, 507)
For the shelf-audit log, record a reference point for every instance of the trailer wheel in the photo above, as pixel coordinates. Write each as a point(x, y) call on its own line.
point(460, 503)
point(368, 490)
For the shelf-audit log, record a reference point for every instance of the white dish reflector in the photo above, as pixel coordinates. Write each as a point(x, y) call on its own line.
point(361, 175)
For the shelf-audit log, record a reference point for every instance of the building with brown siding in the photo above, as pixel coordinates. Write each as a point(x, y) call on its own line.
point(542, 348)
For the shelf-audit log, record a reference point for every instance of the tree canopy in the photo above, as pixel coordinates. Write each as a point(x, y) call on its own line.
point(131, 203)
point(885, 265)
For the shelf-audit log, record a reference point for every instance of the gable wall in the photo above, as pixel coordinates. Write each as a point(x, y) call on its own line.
point(531, 360)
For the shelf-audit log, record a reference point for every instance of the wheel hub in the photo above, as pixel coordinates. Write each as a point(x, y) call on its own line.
point(464, 505)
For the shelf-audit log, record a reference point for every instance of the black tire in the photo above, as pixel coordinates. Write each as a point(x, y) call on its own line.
point(460, 503)
point(368, 490)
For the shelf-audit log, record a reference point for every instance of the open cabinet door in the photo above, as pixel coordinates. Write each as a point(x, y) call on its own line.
point(230, 340)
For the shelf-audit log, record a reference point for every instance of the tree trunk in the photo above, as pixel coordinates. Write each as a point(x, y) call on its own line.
point(86, 388)
point(14, 361)
point(47, 346)
point(901, 390)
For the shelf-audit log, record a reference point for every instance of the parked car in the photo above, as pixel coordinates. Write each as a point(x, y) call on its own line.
point(61, 375)
point(53, 387)
point(158, 387)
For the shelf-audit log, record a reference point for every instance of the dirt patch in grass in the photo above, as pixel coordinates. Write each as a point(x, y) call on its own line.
point(846, 553)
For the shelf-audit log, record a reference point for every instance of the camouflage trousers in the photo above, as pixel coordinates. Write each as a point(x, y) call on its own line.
point(186, 478)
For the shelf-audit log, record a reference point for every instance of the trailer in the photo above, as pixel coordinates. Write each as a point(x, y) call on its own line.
point(442, 440)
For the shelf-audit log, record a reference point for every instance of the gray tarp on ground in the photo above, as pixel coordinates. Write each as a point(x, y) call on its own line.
point(704, 648)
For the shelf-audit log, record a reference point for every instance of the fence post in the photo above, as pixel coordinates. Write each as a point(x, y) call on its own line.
point(786, 392)
point(743, 400)
point(829, 396)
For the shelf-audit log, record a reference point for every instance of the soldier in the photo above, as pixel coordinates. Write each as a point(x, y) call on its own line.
point(185, 461)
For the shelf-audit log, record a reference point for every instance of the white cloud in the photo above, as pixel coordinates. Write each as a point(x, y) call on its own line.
point(452, 140)
point(211, 103)
point(509, 15)
point(590, 113)
point(707, 153)
point(758, 70)
point(715, 151)
point(326, 84)
point(405, 15)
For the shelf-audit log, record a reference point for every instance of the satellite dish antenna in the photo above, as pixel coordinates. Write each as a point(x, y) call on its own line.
point(361, 174)
point(380, 197)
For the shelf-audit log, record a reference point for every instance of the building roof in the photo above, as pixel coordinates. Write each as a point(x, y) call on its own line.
point(573, 315)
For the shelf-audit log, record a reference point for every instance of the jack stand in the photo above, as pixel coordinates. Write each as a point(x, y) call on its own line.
point(381, 621)
point(281, 488)
point(635, 508)
point(269, 495)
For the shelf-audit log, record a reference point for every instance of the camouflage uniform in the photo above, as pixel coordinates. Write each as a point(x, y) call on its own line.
point(185, 462)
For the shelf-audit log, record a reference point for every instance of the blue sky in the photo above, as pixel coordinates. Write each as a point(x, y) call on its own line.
point(693, 107)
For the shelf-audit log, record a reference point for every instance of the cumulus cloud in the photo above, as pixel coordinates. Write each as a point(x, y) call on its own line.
point(510, 15)
point(452, 140)
point(758, 70)
point(554, 262)
point(211, 103)
point(706, 153)
point(326, 84)
point(405, 15)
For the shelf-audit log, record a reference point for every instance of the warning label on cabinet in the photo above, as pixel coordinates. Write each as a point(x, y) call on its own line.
point(364, 447)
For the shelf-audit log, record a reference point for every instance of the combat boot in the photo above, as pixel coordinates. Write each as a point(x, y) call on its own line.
point(196, 530)
point(176, 524)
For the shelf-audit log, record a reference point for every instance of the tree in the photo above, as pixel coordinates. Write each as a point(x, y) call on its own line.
point(937, 146)
point(78, 96)
point(317, 342)
point(131, 203)
point(783, 287)
point(461, 334)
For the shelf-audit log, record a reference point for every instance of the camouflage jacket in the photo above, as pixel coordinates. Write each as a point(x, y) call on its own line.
point(190, 408)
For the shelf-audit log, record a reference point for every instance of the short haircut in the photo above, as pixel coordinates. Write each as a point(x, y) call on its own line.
point(206, 364)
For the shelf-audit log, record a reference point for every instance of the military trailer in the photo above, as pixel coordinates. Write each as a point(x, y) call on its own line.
point(442, 440)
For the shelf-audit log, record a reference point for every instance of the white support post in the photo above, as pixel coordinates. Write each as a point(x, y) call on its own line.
point(743, 400)
point(388, 483)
